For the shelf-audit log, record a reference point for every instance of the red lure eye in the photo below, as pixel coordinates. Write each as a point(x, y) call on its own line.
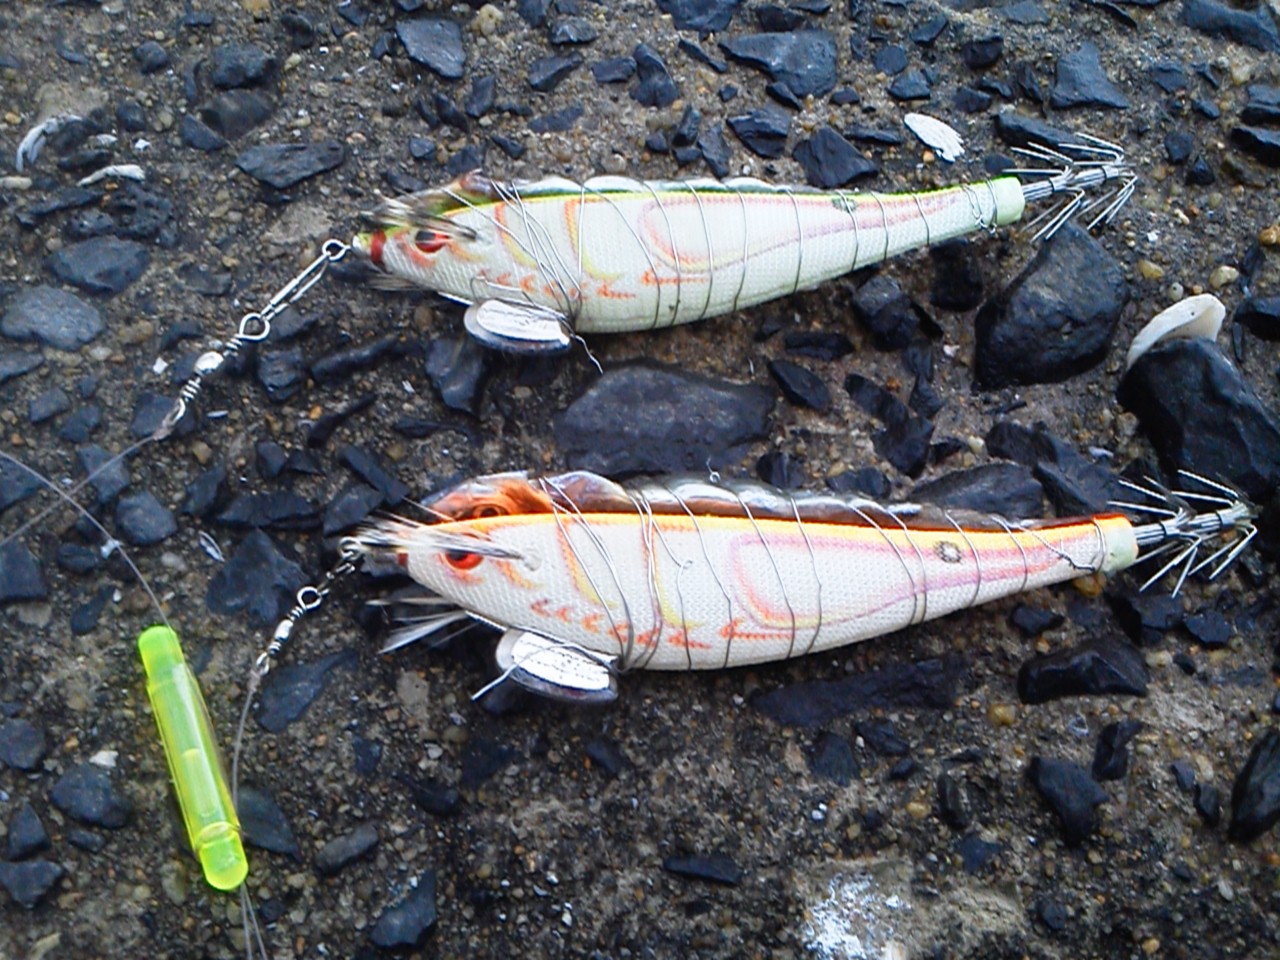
point(460, 560)
point(428, 241)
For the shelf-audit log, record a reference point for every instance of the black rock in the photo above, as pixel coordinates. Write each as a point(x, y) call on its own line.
point(804, 60)
point(484, 92)
point(969, 100)
point(449, 112)
point(957, 276)
point(779, 469)
point(353, 503)
point(904, 439)
point(20, 575)
point(512, 147)
point(1074, 484)
point(130, 117)
point(107, 473)
point(1251, 27)
point(283, 165)
point(17, 483)
point(204, 493)
point(644, 417)
point(547, 73)
point(930, 30)
point(239, 65)
point(1261, 316)
point(605, 753)
point(685, 132)
point(1263, 105)
point(800, 386)
point(1071, 793)
point(927, 684)
point(715, 150)
point(715, 867)
point(337, 366)
point(1080, 82)
point(287, 691)
point(1255, 797)
point(27, 835)
point(655, 87)
point(264, 824)
point(1031, 621)
point(887, 312)
point(1169, 76)
point(533, 12)
point(953, 805)
point(1199, 173)
point(558, 121)
point(349, 847)
point(890, 60)
point(831, 758)
point(819, 344)
point(1006, 489)
point(830, 161)
point(763, 130)
point(281, 510)
point(572, 30)
point(482, 759)
point(1111, 755)
point(258, 579)
point(614, 70)
point(976, 854)
point(1096, 667)
point(1146, 617)
point(1178, 145)
point(84, 619)
point(86, 793)
point(904, 769)
point(435, 798)
point(233, 113)
point(302, 32)
point(90, 223)
point(28, 883)
point(143, 520)
point(459, 368)
point(368, 754)
point(282, 373)
point(1184, 774)
point(982, 53)
point(1052, 914)
point(436, 43)
point(701, 56)
point(22, 745)
point(105, 265)
point(1258, 142)
point(778, 19)
point(15, 363)
point(704, 16)
point(405, 926)
point(1208, 804)
point(1020, 130)
point(1202, 416)
point(1056, 319)
point(366, 466)
point(912, 85)
point(151, 57)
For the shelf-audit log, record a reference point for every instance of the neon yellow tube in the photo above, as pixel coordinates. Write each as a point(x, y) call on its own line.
point(194, 762)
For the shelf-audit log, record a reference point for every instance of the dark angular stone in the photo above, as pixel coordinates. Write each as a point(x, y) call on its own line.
point(104, 265)
point(1111, 755)
point(655, 87)
point(1071, 793)
point(283, 165)
point(763, 131)
point(800, 386)
point(804, 60)
point(614, 70)
point(22, 745)
point(233, 113)
point(87, 793)
point(982, 53)
point(927, 684)
point(239, 65)
point(1259, 142)
point(1004, 489)
point(28, 883)
point(405, 926)
point(714, 867)
point(263, 824)
point(27, 835)
point(346, 849)
point(1255, 797)
point(704, 16)
point(143, 520)
point(436, 43)
point(548, 73)
point(435, 798)
point(287, 691)
point(1031, 621)
point(1096, 667)
point(887, 312)
point(258, 579)
point(912, 85)
point(1251, 27)
point(20, 575)
point(904, 439)
point(831, 758)
point(151, 57)
point(830, 161)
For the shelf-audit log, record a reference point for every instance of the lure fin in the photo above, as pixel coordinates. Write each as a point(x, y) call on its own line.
point(430, 209)
point(515, 327)
point(555, 669)
point(419, 616)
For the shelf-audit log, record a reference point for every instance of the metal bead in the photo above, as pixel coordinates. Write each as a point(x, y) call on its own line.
point(208, 362)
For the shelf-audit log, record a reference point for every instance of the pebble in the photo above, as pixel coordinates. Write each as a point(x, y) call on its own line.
point(16, 484)
point(606, 754)
point(803, 60)
point(16, 363)
point(346, 849)
point(904, 438)
point(196, 135)
point(436, 43)
point(27, 835)
point(234, 65)
point(977, 854)
point(614, 70)
point(930, 30)
point(800, 386)
point(431, 796)
point(654, 88)
point(263, 824)
point(151, 57)
point(233, 113)
point(22, 744)
point(289, 690)
point(818, 344)
point(459, 368)
point(704, 16)
point(763, 130)
point(53, 317)
point(1202, 416)
point(104, 265)
point(144, 521)
point(1255, 796)
point(1080, 81)
point(20, 575)
point(830, 161)
point(1253, 27)
point(258, 580)
point(912, 85)
point(547, 73)
point(1032, 622)
point(1056, 320)
point(353, 503)
point(713, 867)
point(831, 758)
point(28, 883)
point(482, 759)
point(1111, 755)
point(925, 684)
point(644, 417)
point(405, 926)
point(1098, 666)
point(882, 736)
point(1222, 275)
point(87, 793)
point(572, 31)
point(1072, 795)
point(982, 53)
point(1260, 143)
point(890, 60)
point(283, 165)
point(109, 474)
point(1006, 489)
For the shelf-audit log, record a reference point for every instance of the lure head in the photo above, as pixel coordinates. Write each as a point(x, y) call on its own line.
point(407, 256)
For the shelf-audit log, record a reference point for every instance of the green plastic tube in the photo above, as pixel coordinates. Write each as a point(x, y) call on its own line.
point(194, 762)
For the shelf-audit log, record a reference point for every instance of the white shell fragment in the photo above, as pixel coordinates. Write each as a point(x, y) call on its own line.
point(938, 136)
point(1198, 317)
point(30, 146)
point(117, 171)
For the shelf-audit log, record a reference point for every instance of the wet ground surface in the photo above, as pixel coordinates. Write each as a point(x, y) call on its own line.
point(904, 815)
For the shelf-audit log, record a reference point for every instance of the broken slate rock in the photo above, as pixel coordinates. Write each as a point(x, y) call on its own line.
point(705, 16)
point(436, 43)
point(1202, 416)
point(20, 575)
point(803, 60)
point(287, 691)
point(904, 438)
point(53, 317)
point(459, 367)
point(87, 793)
point(264, 824)
point(649, 418)
point(405, 926)
point(926, 684)
point(28, 883)
point(283, 165)
point(143, 520)
point(1071, 793)
point(1252, 27)
point(104, 265)
point(715, 867)
point(235, 65)
point(1081, 82)
point(1056, 319)
point(1255, 798)
point(1005, 489)
point(349, 847)
point(1111, 755)
point(763, 130)
point(830, 161)
point(258, 579)
point(22, 745)
point(1098, 666)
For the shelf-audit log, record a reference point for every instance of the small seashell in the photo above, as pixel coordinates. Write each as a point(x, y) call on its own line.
point(935, 134)
point(1195, 317)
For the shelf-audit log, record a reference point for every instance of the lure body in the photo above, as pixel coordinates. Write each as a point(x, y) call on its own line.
point(615, 254)
point(697, 576)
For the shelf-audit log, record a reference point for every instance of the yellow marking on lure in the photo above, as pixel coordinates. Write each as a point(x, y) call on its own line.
point(194, 762)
